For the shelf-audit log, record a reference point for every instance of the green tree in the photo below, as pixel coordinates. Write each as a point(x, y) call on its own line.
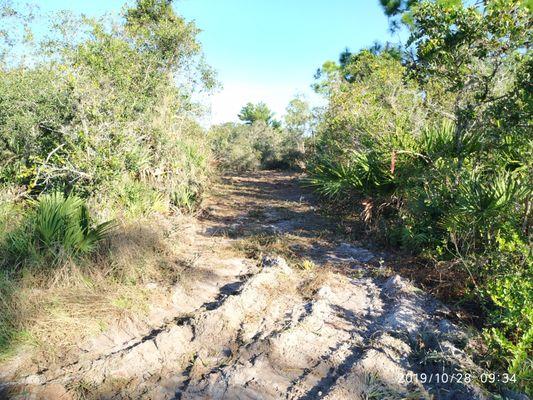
point(441, 144)
point(298, 117)
point(156, 29)
point(299, 120)
point(251, 113)
point(471, 53)
point(400, 11)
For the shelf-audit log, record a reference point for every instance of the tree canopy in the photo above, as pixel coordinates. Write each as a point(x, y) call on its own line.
point(251, 113)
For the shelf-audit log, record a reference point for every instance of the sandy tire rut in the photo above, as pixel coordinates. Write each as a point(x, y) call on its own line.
point(257, 327)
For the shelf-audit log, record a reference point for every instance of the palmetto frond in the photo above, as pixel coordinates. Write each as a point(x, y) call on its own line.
point(62, 225)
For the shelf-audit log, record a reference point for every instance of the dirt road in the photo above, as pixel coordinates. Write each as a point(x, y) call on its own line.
point(273, 305)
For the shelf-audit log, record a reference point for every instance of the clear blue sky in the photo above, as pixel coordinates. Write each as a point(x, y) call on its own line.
point(266, 49)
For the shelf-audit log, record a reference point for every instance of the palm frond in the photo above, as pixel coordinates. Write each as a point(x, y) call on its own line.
point(59, 227)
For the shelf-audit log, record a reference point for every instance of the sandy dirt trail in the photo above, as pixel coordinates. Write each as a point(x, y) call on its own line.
point(275, 306)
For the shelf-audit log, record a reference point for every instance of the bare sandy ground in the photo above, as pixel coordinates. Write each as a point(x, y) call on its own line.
point(305, 322)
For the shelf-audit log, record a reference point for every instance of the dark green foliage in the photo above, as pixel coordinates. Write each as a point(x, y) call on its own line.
point(366, 173)
point(55, 229)
point(251, 113)
point(440, 146)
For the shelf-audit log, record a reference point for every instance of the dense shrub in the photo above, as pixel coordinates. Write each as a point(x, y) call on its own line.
point(243, 147)
point(438, 148)
point(101, 102)
point(96, 124)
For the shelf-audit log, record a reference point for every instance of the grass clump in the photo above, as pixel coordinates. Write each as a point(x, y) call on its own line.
point(259, 244)
point(52, 305)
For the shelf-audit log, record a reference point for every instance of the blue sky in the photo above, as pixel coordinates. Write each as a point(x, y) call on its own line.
point(266, 50)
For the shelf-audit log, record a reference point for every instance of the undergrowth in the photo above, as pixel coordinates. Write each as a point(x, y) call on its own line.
point(99, 151)
point(433, 155)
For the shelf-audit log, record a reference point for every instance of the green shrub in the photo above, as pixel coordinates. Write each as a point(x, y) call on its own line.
point(507, 274)
point(100, 102)
point(101, 109)
point(137, 199)
point(511, 317)
point(56, 228)
point(248, 147)
point(439, 146)
point(363, 172)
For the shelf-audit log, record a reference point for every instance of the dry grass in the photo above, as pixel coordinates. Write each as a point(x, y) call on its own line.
point(51, 311)
point(314, 280)
point(257, 245)
point(286, 245)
